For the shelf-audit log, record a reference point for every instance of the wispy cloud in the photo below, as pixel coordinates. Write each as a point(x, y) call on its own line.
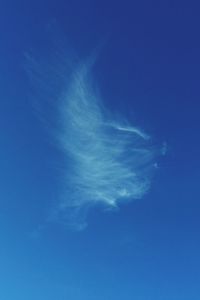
point(107, 161)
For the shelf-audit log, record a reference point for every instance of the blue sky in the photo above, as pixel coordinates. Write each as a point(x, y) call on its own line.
point(146, 75)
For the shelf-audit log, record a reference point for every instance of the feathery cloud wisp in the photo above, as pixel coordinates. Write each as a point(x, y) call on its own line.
point(107, 161)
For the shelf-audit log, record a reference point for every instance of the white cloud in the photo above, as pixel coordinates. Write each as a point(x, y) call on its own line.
point(107, 161)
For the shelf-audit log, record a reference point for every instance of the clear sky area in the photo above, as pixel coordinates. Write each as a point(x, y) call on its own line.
point(99, 150)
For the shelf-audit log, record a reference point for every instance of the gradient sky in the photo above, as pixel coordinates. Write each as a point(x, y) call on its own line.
point(148, 71)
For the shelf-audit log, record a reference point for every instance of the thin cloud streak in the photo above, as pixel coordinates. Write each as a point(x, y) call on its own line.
point(107, 161)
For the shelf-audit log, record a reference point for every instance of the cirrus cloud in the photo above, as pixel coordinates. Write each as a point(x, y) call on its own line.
point(108, 161)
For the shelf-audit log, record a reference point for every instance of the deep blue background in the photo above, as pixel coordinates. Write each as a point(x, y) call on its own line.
point(149, 70)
